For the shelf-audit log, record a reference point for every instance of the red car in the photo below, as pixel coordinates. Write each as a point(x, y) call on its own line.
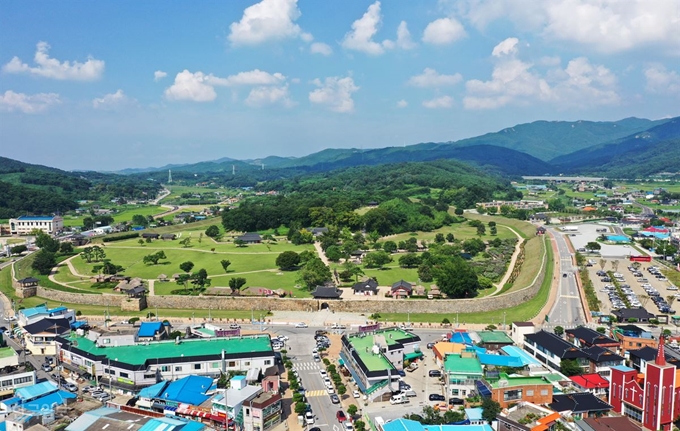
point(341, 416)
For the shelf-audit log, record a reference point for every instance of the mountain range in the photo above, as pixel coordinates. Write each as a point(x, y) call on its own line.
point(613, 148)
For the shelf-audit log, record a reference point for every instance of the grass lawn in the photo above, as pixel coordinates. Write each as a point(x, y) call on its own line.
point(124, 214)
point(11, 241)
point(460, 231)
point(533, 254)
point(672, 275)
point(392, 274)
point(524, 228)
point(523, 312)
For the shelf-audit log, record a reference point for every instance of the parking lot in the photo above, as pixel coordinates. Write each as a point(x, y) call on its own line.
point(588, 232)
point(653, 286)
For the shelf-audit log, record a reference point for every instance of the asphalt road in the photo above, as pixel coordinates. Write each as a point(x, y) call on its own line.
point(567, 309)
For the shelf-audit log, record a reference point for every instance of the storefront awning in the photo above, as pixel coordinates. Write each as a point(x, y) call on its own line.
point(412, 356)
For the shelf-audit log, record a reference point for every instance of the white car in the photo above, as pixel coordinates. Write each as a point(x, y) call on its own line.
point(323, 373)
point(347, 426)
point(356, 394)
point(309, 418)
point(330, 390)
point(282, 338)
point(301, 325)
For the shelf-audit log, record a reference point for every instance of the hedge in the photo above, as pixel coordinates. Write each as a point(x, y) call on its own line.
point(121, 237)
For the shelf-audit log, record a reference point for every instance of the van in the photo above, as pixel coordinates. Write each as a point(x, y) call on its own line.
point(398, 399)
point(410, 393)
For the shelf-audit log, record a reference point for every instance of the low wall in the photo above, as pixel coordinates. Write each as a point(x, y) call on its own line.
point(75, 298)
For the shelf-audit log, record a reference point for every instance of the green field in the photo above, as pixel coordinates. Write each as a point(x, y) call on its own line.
point(525, 229)
point(124, 214)
point(460, 231)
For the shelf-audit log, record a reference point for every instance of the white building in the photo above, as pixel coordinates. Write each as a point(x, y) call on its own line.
point(25, 224)
point(32, 315)
point(519, 329)
point(10, 382)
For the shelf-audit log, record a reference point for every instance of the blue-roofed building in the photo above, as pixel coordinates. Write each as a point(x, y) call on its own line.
point(39, 398)
point(114, 419)
point(152, 331)
point(499, 360)
point(474, 416)
point(35, 391)
point(410, 425)
point(25, 224)
point(32, 315)
point(521, 355)
point(190, 390)
point(461, 337)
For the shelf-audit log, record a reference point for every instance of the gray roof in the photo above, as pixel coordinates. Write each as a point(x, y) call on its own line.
point(327, 292)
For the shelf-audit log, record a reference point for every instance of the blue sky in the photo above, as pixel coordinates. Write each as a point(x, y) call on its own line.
point(109, 85)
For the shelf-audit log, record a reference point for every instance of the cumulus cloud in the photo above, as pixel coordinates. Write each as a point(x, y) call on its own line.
point(263, 96)
point(28, 104)
point(443, 102)
point(320, 48)
point(662, 81)
point(191, 86)
point(268, 20)
point(52, 68)
point(507, 47)
point(360, 38)
point(335, 93)
point(252, 77)
point(112, 101)
point(443, 31)
point(430, 78)
point(603, 25)
point(402, 104)
point(403, 41)
point(158, 75)
point(516, 82)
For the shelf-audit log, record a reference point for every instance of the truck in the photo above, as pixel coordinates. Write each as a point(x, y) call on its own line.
point(399, 399)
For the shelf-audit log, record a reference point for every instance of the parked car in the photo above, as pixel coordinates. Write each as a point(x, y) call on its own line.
point(46, 367)
point(335, 399)
point(309, 418)
point(301, 325)
point(430, 345)
point(356, 394)
point(456, 402)
point(103, 398)
point(347, 426)
point(70, 387)
point(341, 416)
point(434, 373)
point(437, 397)
point(234, 326)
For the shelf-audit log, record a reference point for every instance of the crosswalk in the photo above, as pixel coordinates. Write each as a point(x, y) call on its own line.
point(316, 393)
point(306, 366)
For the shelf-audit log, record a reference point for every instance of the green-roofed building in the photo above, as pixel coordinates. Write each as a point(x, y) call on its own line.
point(143, 364)
point(494, 340)
point(8, 357)
point(461, 371)
point(373, 358)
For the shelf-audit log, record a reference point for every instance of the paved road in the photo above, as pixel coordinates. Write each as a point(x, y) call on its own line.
point(567, 309)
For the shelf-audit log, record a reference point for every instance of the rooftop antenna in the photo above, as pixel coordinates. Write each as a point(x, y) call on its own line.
point(169, 176)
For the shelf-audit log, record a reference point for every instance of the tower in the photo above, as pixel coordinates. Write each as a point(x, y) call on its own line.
point(169, 176)
point(657, 410)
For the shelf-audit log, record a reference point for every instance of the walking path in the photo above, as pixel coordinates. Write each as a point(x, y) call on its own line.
point(513, 259)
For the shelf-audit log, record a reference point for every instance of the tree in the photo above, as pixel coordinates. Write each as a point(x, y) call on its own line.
point(186, 242)
point(425, 273)
point(570, 367)
point(377, 259)
point(95, 253)
point(459, 211)
point(449, 237)
point(490, 409)
point(139, 220)
point(493, 230)
point(236, 283)
point(186, 266)
point(492, 210)
point(66, 248)
point(481, 230)
point(314, 273)
point(200, 237)
point(239, 243)
point(111, 268)
point(225, 265)
point(410, 260)
point(44, 261)
point(342, 390)
point(601, 330)
point(474, 246)
point(183, 280)
point(353, 269)
point(18, 249)
point(288, 260)
point(154, 258)
point(46, 242)
point(559, 331)
point(439, 238)
point(592, 245)
point(300, 408)
point(456, 278)
point(334, 253)
point(603, 262)
point(200, 279)
point(212, 231)
point(140, 241)
point(389, 246)
point(359, 425)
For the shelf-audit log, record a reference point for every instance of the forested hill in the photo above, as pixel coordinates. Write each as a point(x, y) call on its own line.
point(638, 155)
point(42, 190)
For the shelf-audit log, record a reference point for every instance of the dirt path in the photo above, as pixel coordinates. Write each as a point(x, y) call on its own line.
point(513, 259)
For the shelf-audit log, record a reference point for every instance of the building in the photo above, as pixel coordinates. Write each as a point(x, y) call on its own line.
point(586, 337)
point(373, 357)
point(39, 398)
point(112, 419)
point(168, 396)
point(39, 337)
point(601, 360)
point(641, 357)
point(10, 382)
point(366, 288)
point(494, 340)
point(8, 358)
point(633, 337)
point(593, 383)
point(410, 425)
point(24, 225)
point(579, 405)
point(527, 417)
point(461, 372)
point(651, 398)
point(519, 329)
point(326, 292)
point(250, 238)
point(606, 424)
point(639, 314)
point(153, 331)
point(508, 390)
point(401, 289)
point(551, 350)
point(29, 316)
point(262, 412)
point(143, 364)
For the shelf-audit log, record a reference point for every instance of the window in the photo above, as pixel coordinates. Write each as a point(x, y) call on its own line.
point(178, 368)
point(122, 374)
point(231, 364)
point(511, 395)
point(215, 365)
point(544, 392)
point(110, 371)
point(165, 368)
point(268, 362)
point(246, 363)
point(197, 366)
point(530, 393)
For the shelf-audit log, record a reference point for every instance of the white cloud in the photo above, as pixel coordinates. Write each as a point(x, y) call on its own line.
point(661, 81)
point(252, 77)
point(52, 68)
point(515, 82)
point(507, 47)
point(191, 86)
point(402, 104)
point(443, 102)
point(404, 37)
point(320, 48)
point(550, 61)
point(263, 96)
point(28, 104)
point(335, 93)
point(158, 75)
point(443, 31)
point(430, 78)
point(601, 25)
point(268, 20)
point(363, 30)
point(112, 101)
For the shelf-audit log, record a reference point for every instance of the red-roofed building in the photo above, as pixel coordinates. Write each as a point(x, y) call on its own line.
point(655, 229)
point(593, 383)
